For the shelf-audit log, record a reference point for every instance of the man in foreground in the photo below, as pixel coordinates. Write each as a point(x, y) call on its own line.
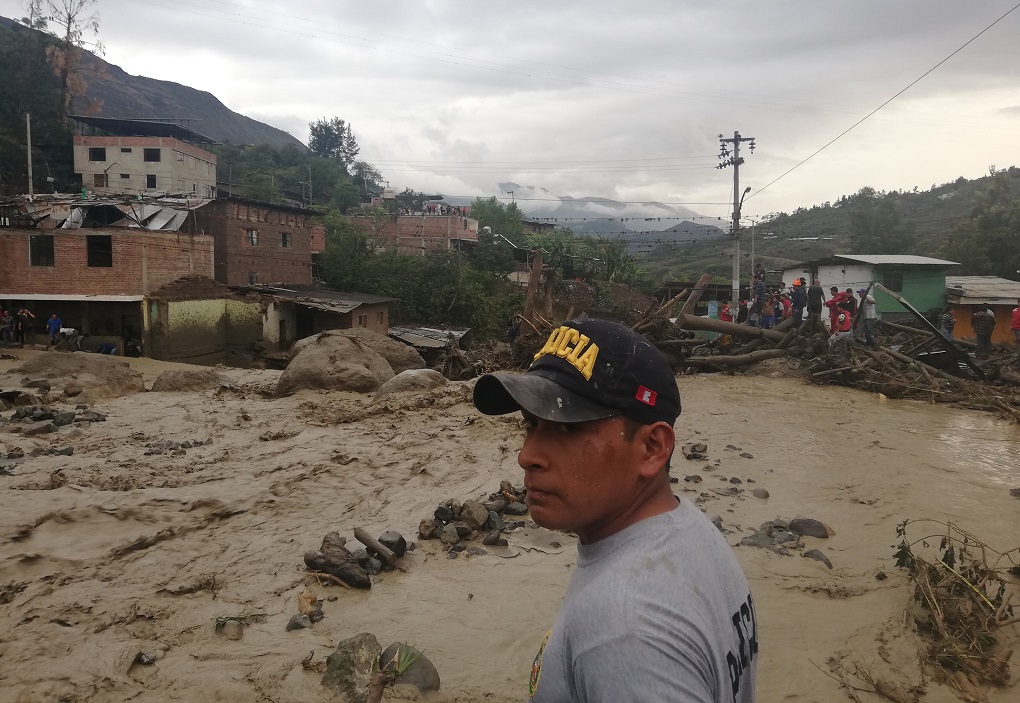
point(658, 608)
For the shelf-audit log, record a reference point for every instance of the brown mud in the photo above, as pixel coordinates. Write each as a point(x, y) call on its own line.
point(111, 552)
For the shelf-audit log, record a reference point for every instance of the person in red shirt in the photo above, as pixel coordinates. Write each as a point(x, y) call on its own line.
point(726, 313)
point(835, 305)
point(842, 330)
point(1016, 325)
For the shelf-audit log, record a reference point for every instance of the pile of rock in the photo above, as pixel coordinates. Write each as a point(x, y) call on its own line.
point(455, 522)
point(32, 420)
point(173, 447)
point(781, 535)
point(355, 568)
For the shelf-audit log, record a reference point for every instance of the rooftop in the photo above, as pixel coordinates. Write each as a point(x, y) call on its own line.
point(142, 128)
point(317, 297)
point(898, 259)
point(982, 290)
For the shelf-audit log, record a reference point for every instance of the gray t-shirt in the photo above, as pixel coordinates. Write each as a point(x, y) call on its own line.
point(660, 612)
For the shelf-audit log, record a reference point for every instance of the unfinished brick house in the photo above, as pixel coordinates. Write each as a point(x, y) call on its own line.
point(258, 242)
point(417, 234)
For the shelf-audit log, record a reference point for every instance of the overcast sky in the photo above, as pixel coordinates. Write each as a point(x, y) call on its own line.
point(623, 100)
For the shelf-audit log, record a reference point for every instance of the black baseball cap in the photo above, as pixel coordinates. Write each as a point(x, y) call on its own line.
point(587, 370)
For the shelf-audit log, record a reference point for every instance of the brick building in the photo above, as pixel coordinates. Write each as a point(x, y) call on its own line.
point(143, 157)
point(416, 234)
point(93, 262)
point(257, 242)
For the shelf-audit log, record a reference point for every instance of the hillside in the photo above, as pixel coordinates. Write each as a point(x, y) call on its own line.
point(782, 238)
point(111, 92)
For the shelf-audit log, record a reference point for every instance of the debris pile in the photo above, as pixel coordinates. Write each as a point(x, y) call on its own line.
point(454, 522)
point(333, 562)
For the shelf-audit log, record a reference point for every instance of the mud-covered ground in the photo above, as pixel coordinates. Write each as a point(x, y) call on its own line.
point(112, 551)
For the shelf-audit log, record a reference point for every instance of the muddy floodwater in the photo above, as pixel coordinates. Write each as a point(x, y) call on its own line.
point(113, 551)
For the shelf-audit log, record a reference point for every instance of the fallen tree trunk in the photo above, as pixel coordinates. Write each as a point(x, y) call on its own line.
point(376, 547)
point(730, 362)
point(693, 322)
point(924, 333)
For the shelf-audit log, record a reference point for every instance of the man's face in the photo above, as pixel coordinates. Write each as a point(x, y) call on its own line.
point(580, 476)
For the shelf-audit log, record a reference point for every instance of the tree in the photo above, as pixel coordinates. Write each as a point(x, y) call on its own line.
point(492, 254)
point(333, 139)
point(876, 225)
point(503, 219)
point(76, 20)
point(988, 244)
point(367, 177)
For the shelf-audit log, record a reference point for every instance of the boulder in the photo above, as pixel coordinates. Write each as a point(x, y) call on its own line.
point(335, 362)
point(333, 558)
point(422, 674)
point(399, 356)
point(394, 541)
point(810, 527)
point(428, 529)
point(38, 428)
point(474, 514)
point(190, 380)
point(412, 380)
point(73, 389)
point(349, 668)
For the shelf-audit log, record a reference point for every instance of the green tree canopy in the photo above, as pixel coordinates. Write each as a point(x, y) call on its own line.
point(988, 244)
point(876, 224)
point(333, 139)
point(502, 219)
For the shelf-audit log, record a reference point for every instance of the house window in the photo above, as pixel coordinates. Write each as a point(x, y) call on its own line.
point(252, 236)
point(253, 278)
point(362, 320)
point(125, 150)
point(380, 317)
point(40, 249)
point(99, 248)
point(100, 180)
point(285, 240)
point(893, 280)
point(152, 155)
point(150, 180)
point(125, 175)
point(97, 153)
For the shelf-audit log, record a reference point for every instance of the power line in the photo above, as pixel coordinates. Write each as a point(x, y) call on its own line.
point(898, 94)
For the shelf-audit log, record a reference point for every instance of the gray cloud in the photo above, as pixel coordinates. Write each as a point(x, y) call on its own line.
point(602, 98)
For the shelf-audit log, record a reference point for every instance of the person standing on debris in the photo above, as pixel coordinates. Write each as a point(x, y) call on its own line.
point(983, 322)
point(1015, 326)
point(850, 302)
point(947, 323)
point(53, 326)
point(742, 312)
point(869, 316)
point(835, 305)
point(799, 301)
point(815, 299)
point(6, 326)
point(726, 313)
point(658, 608)
point(768, 314)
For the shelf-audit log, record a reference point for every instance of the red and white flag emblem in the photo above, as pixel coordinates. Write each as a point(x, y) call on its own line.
point(646, 395)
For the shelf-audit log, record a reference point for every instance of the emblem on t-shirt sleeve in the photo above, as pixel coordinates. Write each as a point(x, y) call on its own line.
point(536, 667)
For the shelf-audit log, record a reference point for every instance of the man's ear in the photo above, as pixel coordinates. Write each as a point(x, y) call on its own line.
point(655, 444)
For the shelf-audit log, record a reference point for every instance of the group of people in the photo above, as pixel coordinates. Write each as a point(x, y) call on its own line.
point(13, 325)
point(768, 307)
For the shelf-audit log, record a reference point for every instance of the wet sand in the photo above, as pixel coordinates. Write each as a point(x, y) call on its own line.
point(140, 553)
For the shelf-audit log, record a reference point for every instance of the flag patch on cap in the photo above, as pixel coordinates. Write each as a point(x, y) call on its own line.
point(646, 395)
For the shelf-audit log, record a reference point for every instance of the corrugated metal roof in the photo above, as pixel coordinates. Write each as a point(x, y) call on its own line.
point(426, 337)
point(982, 290)
point(900, 259)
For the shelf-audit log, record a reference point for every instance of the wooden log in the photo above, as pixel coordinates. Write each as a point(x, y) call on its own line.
point(696, 292)
point(693, 322)
point(375, 547)
point(659, 313)
point(734, 361)
point(924, 333)
point(908, 360)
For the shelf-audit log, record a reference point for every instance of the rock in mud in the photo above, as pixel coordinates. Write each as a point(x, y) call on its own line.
point(233, 630)
point(334, 559)
point(810, 527)
point(494, 522)
point(428, 529)
point(63, 418)
point(817, 555)
point(449, 535)
point(422, 674)
point(299, 622)
point(516, 508)
point(398, 355)
point(349, 667)
point(760, 493)
point(394, 541)
point(474, 514)
point(412, 380)
point(38, 428)
point(72, 389)
point(336, 363)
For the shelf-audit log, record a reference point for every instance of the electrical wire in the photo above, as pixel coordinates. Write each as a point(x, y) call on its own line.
point(898, 94)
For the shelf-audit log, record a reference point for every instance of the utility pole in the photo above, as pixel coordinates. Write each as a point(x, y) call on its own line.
point(28, 140)
point(734, 159)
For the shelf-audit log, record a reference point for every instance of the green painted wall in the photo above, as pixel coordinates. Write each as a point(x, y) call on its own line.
point(924, 289)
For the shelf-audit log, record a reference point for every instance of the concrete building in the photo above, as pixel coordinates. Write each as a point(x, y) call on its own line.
point(142, 157)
